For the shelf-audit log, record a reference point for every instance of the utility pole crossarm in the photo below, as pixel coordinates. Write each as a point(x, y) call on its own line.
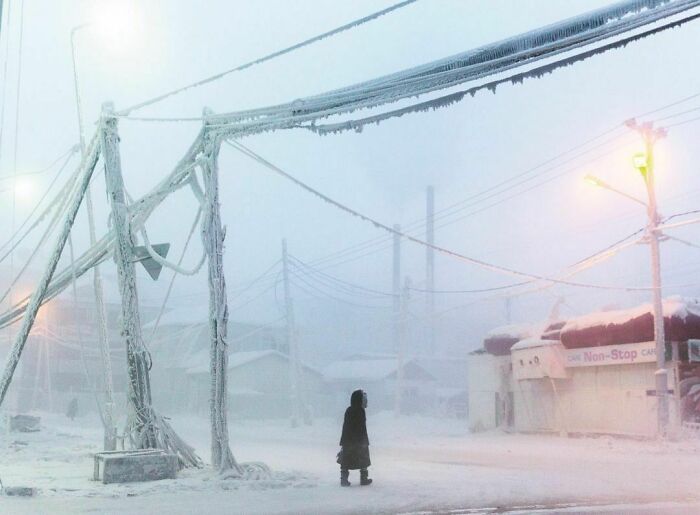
point(292, 343)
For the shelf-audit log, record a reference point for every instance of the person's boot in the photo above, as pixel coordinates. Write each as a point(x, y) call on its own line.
point(364, 480)
point(344, 475)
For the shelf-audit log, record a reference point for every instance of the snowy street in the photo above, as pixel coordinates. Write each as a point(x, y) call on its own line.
point(419, 464)
point(410, 257)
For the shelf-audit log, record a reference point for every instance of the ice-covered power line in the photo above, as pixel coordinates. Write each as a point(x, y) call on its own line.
point(477, 290)
point(477, 262)
point(578, 34)
point(344, 284)
point(268, 57)
point(667, 106)
point(3, 78)
point(573, 34)
point(15, 239)
point(676, 115)
point(302, 282)
point(273, 268)
point(683, 122)
point(419, 224)
point(488, 193)
point(71, 151)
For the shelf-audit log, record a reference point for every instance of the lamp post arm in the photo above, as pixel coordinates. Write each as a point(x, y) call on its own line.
point(602, 184)
point(75, 84)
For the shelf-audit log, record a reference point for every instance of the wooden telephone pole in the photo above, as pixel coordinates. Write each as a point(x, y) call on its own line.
point(139, 385)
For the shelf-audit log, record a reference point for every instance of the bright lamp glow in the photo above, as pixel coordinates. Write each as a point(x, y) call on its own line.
point(24, 189)
point(640, 161)
point(117, 23)
point(592, 180)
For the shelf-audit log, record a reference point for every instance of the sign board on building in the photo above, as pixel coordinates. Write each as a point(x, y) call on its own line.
point(627, 353)
point(694, 351)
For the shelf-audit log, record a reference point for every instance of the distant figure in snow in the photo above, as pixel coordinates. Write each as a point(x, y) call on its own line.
point(354, 453)
point(72, 410)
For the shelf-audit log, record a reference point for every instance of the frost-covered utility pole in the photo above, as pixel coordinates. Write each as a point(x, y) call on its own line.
point(645, 164)
point(292, 347)
point(401, 351)
point(142, 423)
point(213, 234)
point(110, 440)
point(88, 165)
point(396, 287)
point(430, 266)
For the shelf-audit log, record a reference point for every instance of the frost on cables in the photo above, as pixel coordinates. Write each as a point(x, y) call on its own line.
point(87, 167)
point(139, 211)
point(518, 51)
point(510, 53)
point(430, 105)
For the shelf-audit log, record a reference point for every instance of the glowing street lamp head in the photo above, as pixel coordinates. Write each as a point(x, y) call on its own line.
point(24, 189)
point(640, 162)
point(590, 179)
point(117, 23)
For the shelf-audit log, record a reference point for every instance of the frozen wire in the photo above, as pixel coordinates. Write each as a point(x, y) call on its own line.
point(195, 223)
point(672, 104)
point(333, 32)
point(475, 200)
point(421, 222)
point(340, 281)
point(59, 197)
point(72, 150)
point(3, 98)
point(677, 124)
point(307, 286)
point(472, 213)
point(477, 262)
point(676, 115)
point(259, 278)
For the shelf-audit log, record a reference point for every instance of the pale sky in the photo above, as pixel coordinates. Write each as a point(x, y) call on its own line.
point(383, 171)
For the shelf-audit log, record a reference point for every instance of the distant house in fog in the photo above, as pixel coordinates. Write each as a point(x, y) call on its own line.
point(259, 368)
point(450, 373)
point(62, 357)
point(259, 384)
point(377, 375)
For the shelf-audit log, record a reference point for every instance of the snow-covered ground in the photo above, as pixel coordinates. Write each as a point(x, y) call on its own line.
point(418, 464)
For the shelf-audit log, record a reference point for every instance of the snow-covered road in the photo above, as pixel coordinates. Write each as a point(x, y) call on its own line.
point(418, 464)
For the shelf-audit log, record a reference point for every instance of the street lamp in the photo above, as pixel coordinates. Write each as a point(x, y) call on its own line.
point(644, 163)
point(595, 181)
point(110, 441)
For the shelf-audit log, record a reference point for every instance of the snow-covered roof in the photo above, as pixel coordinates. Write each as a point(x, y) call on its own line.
point(531, 343)
point(369, 369)
point(674, 306)
point(517, 331)
point(361, 369)
point(200, 361)
point(191, 315)
point(498, 341)
point(681, 322)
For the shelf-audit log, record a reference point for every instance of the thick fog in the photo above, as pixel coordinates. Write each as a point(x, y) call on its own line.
point(506, 167)
point(384, 171)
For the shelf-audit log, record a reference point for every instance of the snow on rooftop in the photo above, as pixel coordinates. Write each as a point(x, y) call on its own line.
point(516, 331)
point(531, 343)
point(200, 361)
point(191, 315)
point(361, 369)
point(675, 306)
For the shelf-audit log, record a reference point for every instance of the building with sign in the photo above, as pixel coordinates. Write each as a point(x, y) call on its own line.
point(591, 374)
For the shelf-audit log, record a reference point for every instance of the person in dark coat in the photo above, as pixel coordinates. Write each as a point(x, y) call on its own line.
point(354, 453)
